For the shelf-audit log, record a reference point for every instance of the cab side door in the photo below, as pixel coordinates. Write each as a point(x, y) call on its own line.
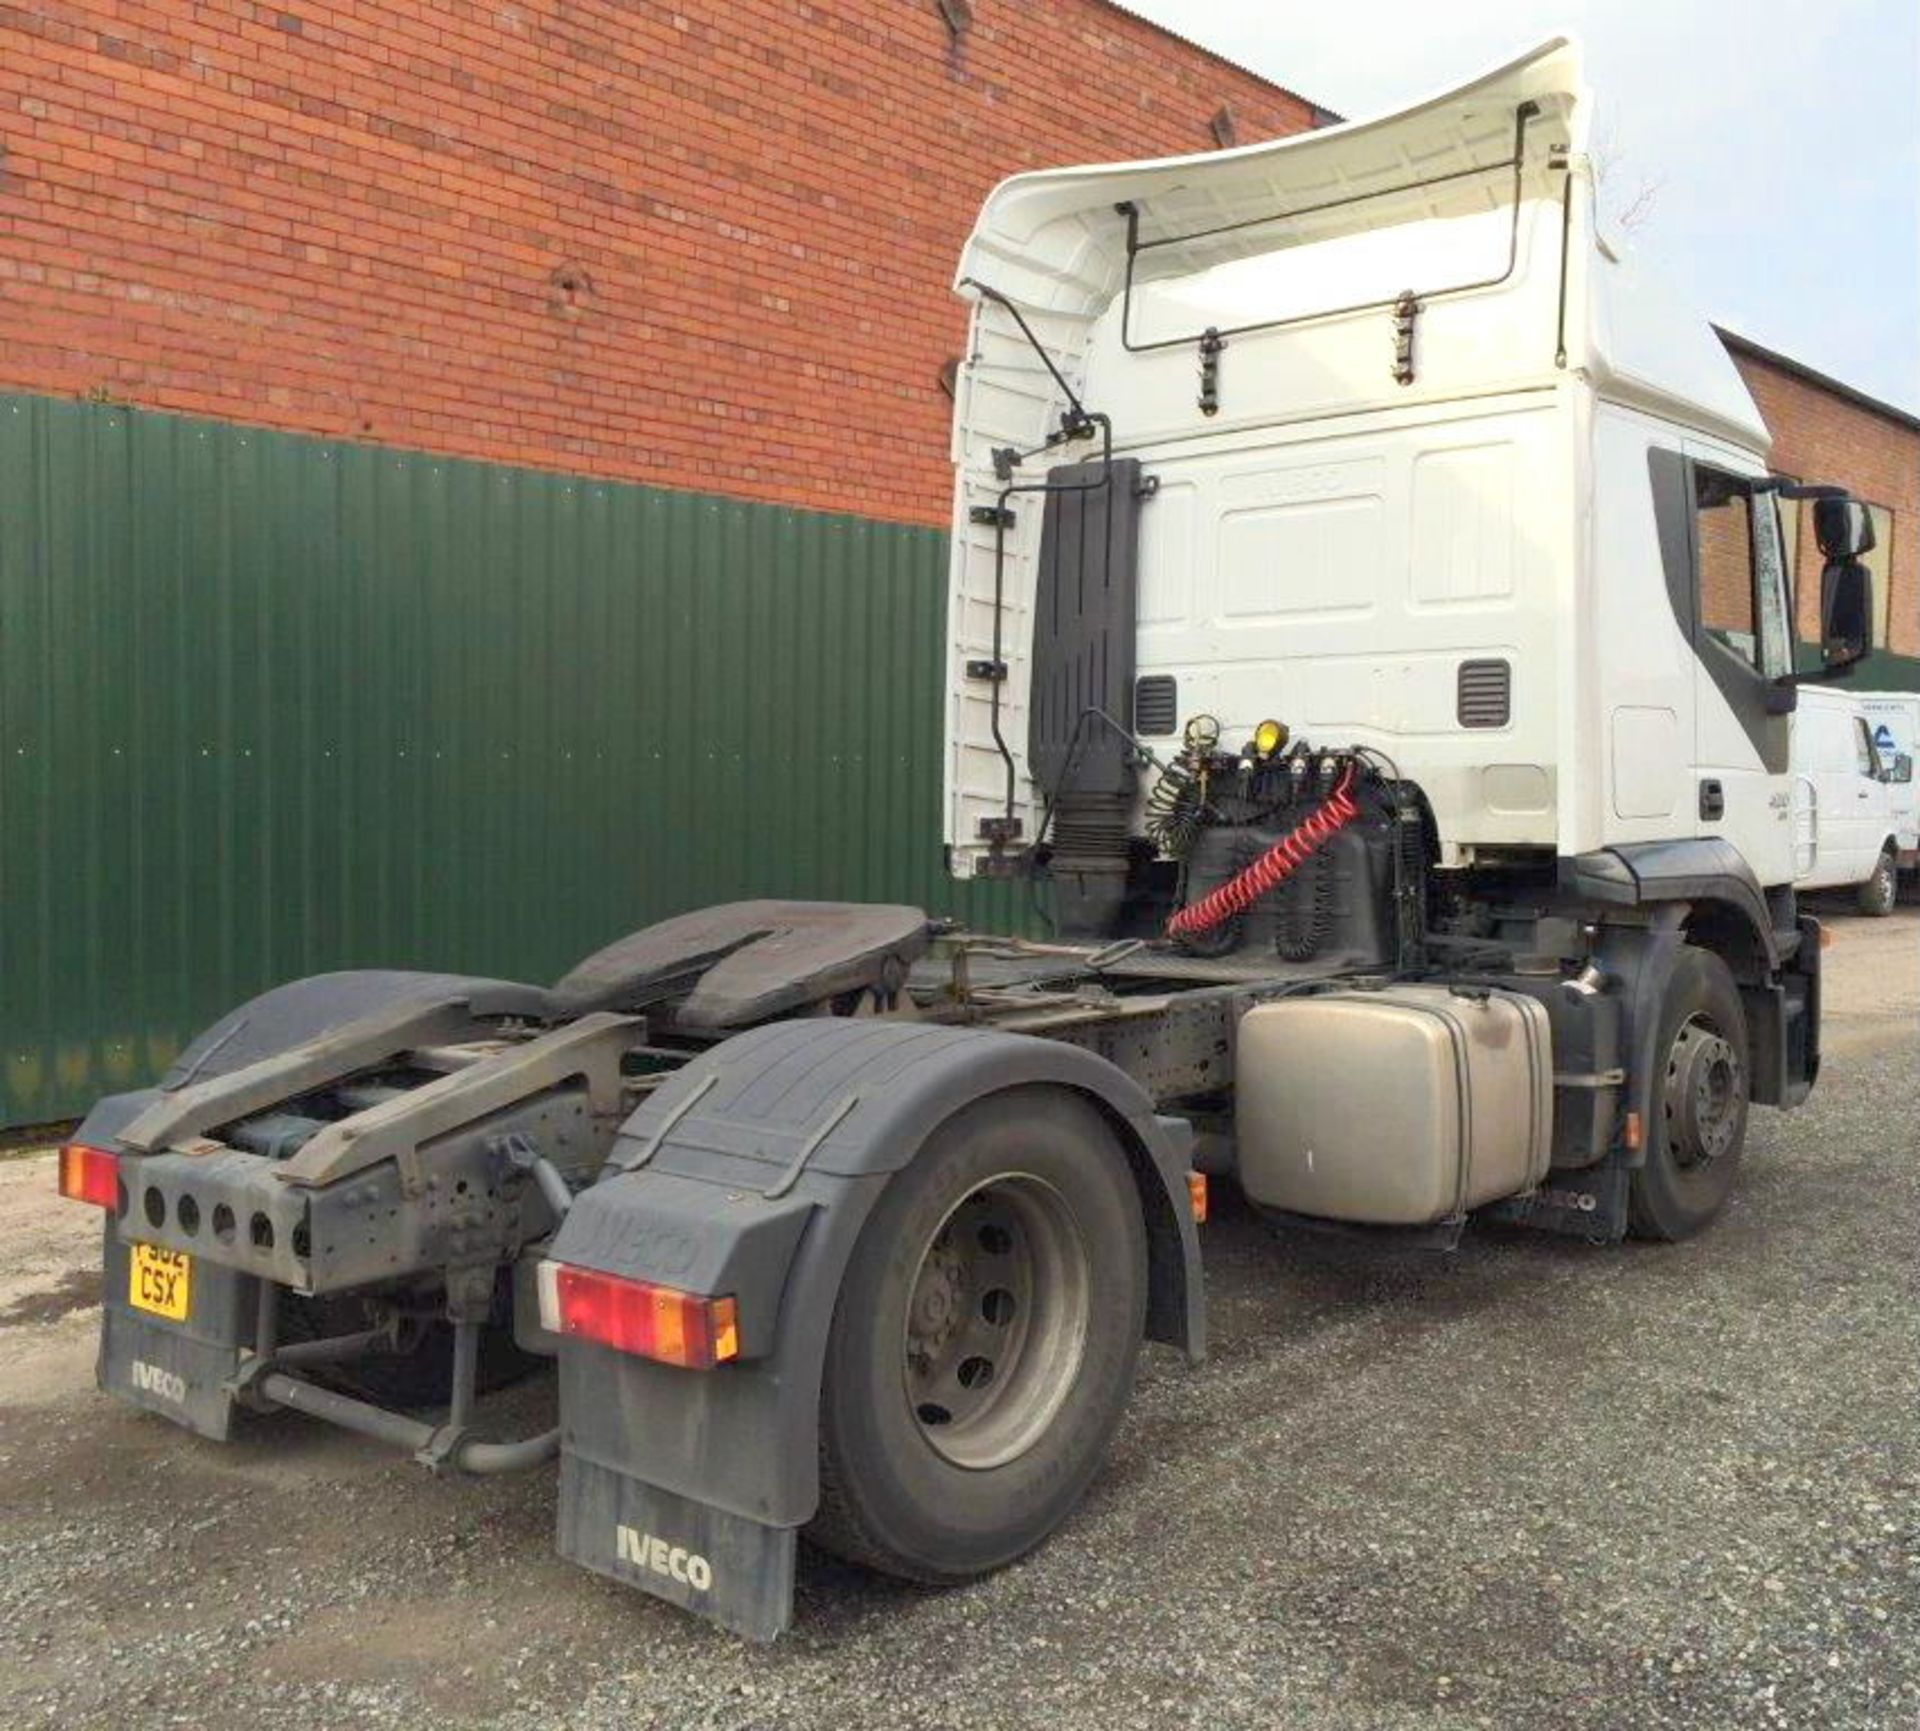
point(1743, 652)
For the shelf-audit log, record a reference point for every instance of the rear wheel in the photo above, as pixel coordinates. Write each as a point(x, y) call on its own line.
point(1878, 894)
point(1698, 1127)
point(975, 1371)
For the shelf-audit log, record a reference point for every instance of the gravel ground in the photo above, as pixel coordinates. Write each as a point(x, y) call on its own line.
point(1532, 1483)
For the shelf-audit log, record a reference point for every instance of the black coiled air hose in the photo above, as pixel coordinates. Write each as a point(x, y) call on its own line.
point(1305, 914)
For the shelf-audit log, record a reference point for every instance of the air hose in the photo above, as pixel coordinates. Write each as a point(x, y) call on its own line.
point(1273, 867)
point(1305, 911)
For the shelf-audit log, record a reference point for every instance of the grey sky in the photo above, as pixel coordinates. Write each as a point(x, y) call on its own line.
point(1779, 145)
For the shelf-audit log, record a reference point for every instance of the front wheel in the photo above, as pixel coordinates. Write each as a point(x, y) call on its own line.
point(984, 1341)
point(1701, 1094)
point(1878, 894)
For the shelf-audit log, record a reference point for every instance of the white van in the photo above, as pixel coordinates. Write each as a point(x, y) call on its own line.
point(1894, 717)
point(1845, 835)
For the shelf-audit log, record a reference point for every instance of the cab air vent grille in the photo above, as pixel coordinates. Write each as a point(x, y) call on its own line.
point(1156, 705)
point(1485, 694)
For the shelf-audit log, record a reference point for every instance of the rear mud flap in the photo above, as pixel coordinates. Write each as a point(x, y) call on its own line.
point(734, 1571)
point(177, 1369)
point(165, 1370)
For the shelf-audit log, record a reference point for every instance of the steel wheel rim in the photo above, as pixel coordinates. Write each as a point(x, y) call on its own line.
point(996, 1323)
point(1706, 1090)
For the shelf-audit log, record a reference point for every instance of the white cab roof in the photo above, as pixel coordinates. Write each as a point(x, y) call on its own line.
point(1054, 241)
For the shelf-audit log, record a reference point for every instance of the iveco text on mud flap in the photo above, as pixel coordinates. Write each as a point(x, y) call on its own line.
point(1368, 635)
point(151, 1379)
point(645, 1551)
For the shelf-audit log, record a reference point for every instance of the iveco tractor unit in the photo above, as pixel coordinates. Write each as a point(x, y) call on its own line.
point(1371, 638)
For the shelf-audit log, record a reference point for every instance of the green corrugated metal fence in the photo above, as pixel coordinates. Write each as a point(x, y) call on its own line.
point(271, 705)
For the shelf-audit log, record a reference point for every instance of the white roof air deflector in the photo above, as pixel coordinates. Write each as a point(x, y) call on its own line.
point(1472, 188)
point(1056, 242)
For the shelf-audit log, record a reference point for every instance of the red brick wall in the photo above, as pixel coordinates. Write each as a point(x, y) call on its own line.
point(1821, 436)
point(702, 247)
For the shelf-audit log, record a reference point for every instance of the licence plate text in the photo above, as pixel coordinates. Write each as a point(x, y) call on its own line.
point(161, 1281)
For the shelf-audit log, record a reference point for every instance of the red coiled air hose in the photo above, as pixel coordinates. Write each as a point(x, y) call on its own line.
point(1273, 867)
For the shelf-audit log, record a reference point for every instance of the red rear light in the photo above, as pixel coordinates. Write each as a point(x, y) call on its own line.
point(90, 1175)
point(636, 1316)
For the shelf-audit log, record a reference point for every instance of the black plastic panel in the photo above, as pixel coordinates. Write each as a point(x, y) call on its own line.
point(1083, 627)
point(1335, 909)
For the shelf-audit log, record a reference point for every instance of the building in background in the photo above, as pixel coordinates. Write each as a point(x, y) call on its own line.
point(546, 533)
point(702, 247)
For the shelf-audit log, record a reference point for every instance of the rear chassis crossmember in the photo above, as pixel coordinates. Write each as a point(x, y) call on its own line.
point(268, 1378)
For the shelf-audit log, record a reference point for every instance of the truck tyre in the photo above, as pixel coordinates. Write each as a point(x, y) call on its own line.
point(1878, 894)
point(984, 1341)
point(1697, 1129)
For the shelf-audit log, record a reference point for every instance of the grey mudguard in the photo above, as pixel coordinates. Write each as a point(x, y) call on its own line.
point(293, 1014)
point(111, 1114)
point(303, 1010)
point(1690, 869)
point(752, 1172)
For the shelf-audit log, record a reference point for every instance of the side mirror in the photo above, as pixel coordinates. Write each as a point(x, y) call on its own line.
point(1902, 769)
point(1843, 528)
point(1846, 610)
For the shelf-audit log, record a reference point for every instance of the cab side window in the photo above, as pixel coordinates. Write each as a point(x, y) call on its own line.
point(1741, 570)
point(1866, 758)
point(1726, 563)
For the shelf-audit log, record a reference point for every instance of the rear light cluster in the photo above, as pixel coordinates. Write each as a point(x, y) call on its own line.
point(90, 1175)
point(637, 1316)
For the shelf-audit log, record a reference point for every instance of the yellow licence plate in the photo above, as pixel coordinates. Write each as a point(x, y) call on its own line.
point(161, 1281)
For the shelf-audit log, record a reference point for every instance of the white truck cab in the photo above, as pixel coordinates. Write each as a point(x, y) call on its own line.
point(1425, 465)
point(1359, 562)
